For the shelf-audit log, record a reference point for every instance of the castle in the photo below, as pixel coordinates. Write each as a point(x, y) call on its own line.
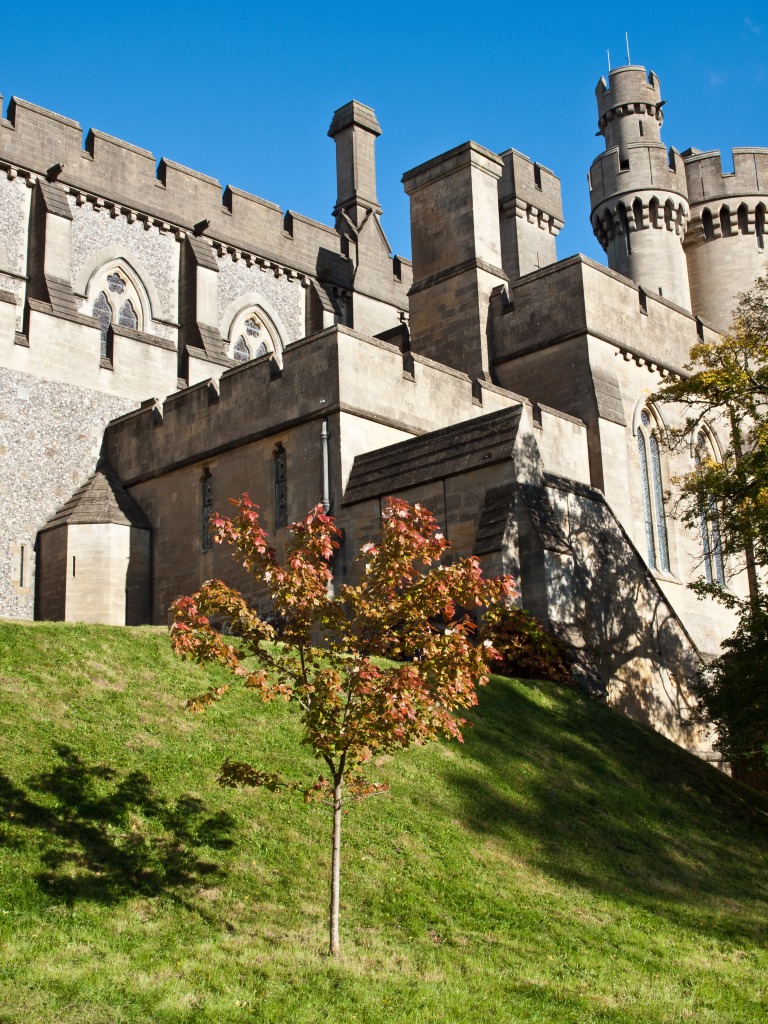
point(164, 346)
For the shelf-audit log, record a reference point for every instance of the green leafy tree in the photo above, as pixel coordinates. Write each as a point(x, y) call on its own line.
point(727, 384)
point(410, 607)
point(734, 694)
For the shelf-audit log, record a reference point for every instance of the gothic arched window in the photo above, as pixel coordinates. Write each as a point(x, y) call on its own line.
point(206, 509)
point(709, 528)
point(117, 303)
point(281, 486)
point(652, 491)
point(252, 335)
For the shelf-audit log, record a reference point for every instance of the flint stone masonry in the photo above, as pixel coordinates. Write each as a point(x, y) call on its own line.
point(281, 297)
point(98, 237)
point(14, 211)
point(43, 459)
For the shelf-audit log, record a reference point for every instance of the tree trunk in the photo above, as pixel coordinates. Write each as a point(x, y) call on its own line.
point(334, 948)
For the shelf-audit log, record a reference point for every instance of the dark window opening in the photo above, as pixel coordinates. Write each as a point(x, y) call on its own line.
point(206, 509)
point(281, 486)
point(708, 224)
point(624, 221)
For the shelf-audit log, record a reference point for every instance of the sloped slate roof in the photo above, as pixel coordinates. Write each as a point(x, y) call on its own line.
point(101, 499)
point(441, 453)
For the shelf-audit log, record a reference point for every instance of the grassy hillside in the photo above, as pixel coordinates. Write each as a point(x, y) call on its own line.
point(564, 865)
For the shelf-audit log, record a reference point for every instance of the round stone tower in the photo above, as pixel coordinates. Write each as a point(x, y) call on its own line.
point(725, 243)
point(638, 189)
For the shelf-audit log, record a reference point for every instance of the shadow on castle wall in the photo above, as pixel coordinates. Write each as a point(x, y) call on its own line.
point(630, 646)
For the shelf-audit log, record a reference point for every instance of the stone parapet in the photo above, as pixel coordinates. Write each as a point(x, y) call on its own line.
point(644, 169)
point(111, 173)
point(708, 183)
point(584, 298)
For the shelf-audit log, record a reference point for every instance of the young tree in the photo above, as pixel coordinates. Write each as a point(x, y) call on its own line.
point(409, 606)
point(728, 384)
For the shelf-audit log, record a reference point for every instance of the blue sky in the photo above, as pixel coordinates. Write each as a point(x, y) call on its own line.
point(245, 91)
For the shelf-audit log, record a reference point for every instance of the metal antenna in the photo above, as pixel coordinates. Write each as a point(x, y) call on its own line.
point(626, 36)
point(609, 61)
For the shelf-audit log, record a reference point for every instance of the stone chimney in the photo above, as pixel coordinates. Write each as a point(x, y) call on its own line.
point(354, 129)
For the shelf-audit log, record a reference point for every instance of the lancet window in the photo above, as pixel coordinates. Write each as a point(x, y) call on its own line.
point(760, 226)
point(281, 486)
point(102, 310)
point(206, 509)
point(709, 528)
point(652, 493)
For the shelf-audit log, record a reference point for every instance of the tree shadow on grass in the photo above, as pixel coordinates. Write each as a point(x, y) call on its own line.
point(104, 836)
point(597, 801)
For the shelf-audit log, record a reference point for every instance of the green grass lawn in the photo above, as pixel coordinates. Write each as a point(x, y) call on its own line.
point(563, 865)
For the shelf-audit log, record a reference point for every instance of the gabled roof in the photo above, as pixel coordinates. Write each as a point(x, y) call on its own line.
point(101, 499)
point(459, 448)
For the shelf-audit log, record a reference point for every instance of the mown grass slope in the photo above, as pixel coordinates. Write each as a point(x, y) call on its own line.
point(563, 865)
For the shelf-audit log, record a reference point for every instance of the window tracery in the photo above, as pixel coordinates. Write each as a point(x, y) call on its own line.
point(116, 283)
point(241, 353)
point(117, 302)
point(127, 316)
point(252, 336)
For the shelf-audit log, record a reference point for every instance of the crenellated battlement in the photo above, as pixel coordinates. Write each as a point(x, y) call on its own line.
point(530, 191)
point(725, 245)
point(639, 169)
point(629, 86)
point(126, 180)
point(708, 183)
point(629, 108)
